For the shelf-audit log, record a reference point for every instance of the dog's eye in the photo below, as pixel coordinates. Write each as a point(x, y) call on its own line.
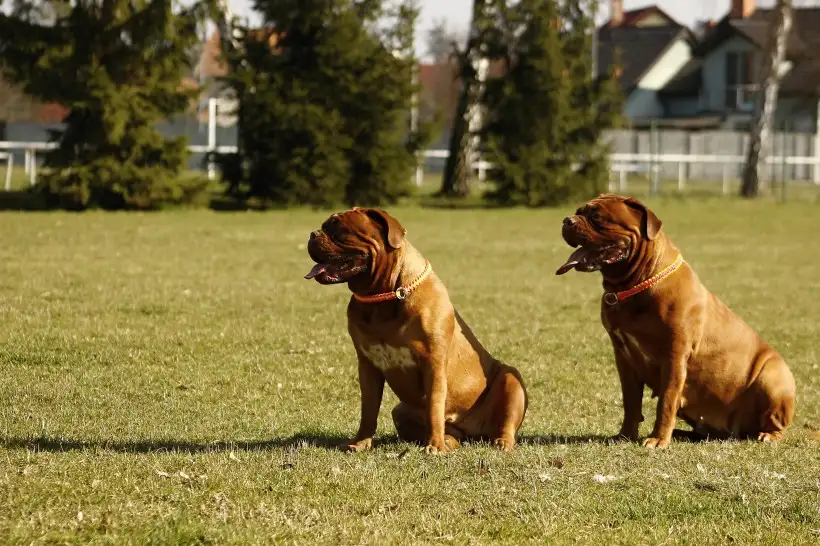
point(594, 218)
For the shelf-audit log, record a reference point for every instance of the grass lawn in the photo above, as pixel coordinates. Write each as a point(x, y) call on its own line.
point(171, 378)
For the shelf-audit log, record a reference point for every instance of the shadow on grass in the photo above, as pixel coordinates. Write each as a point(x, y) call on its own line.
point(561, 439)
point(56, 445)
point(455, 204)
point(301, 440)
point(22, 200)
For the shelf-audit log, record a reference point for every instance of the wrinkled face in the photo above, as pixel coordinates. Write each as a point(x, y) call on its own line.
point(348, 243)
point(606, 231)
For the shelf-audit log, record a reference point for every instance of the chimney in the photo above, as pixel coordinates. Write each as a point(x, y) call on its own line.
point(741, 9)
point(617, 13)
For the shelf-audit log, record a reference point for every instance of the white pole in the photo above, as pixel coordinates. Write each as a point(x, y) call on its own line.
point(817, 146)
point(725, 179)
point(32, 178)
point(414, 123)
point(9, 166)
point(211, 136)
point(477, 116)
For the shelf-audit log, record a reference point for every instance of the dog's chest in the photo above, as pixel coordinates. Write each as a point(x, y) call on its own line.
point(389, 358)
point(632, 346)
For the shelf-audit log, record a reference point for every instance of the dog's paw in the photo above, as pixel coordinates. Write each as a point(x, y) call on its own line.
point(767, 437)
point(655, 443)
point(504, 444)
point(626, 435)
point(356, 446)
point(441, 445)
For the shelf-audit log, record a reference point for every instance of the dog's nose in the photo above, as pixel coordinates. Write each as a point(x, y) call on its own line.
point(569, 221)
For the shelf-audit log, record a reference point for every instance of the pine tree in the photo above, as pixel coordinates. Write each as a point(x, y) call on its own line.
point(324, 102)
point(546, 115)
point(117, 66)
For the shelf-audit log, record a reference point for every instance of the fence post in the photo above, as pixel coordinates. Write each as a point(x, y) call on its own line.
point(816, 165)
point(32, 173)
point(622, 181)
point(681, 177)
point(726, 178)
point(9, 168)
point(653, 151)
point(27, 161)
point(211, 137)
point(414, 123)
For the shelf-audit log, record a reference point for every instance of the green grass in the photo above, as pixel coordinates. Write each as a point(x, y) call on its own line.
point(170, 378)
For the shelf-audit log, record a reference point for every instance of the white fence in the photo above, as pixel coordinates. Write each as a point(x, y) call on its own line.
point(622, 164)
point(31, 149)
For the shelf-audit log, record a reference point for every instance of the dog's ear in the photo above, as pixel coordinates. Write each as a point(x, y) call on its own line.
point(650, 224)
point(394, 231)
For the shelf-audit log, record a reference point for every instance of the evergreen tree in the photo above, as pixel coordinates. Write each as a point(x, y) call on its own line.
point(324, 98)
point(117, 66)
point(546, 115)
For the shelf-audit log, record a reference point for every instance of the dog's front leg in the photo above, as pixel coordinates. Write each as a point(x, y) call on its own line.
point(631, 391)
point(632, 396)
point(371, 385)
point(435, 388)
point(673, 378)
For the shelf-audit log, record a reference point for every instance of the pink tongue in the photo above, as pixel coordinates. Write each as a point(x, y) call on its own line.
point(576, 258)
point(317, 269)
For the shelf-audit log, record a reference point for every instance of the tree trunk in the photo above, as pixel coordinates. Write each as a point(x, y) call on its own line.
point(457, 170)
point(767, 101)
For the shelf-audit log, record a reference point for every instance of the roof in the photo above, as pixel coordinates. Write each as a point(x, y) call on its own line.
point(634, 17)
point(686, 83)
point(802, 47)
point(755, 29)
point(639, 49)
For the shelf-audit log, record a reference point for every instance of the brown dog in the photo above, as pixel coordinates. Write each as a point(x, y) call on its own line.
point(406, 332)
point(671, 334)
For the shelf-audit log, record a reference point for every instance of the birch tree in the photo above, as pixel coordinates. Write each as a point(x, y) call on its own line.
point(761, 128)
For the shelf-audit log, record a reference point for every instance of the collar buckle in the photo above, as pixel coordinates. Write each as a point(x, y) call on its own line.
point(611, 298)
point(402, 293)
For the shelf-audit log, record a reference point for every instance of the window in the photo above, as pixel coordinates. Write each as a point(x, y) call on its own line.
point(741, 80)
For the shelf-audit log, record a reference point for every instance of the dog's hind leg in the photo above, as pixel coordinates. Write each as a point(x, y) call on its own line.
point(773, 399)
point(507, 405)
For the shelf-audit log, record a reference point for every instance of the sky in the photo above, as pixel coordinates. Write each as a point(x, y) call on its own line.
point(457, 12)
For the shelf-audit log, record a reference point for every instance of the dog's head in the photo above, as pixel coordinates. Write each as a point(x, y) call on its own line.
point(606, 231)
point(349, 244)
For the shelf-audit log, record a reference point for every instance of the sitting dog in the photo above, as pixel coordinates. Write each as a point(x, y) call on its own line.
point(406, 332)
point(671, 334)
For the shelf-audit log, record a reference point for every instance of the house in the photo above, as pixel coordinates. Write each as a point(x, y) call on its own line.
point(647, 49)
point(674, 78)
point(722, 78)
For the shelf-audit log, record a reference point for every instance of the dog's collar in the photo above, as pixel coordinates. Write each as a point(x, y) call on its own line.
point(399, 293)
point(614, 298)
